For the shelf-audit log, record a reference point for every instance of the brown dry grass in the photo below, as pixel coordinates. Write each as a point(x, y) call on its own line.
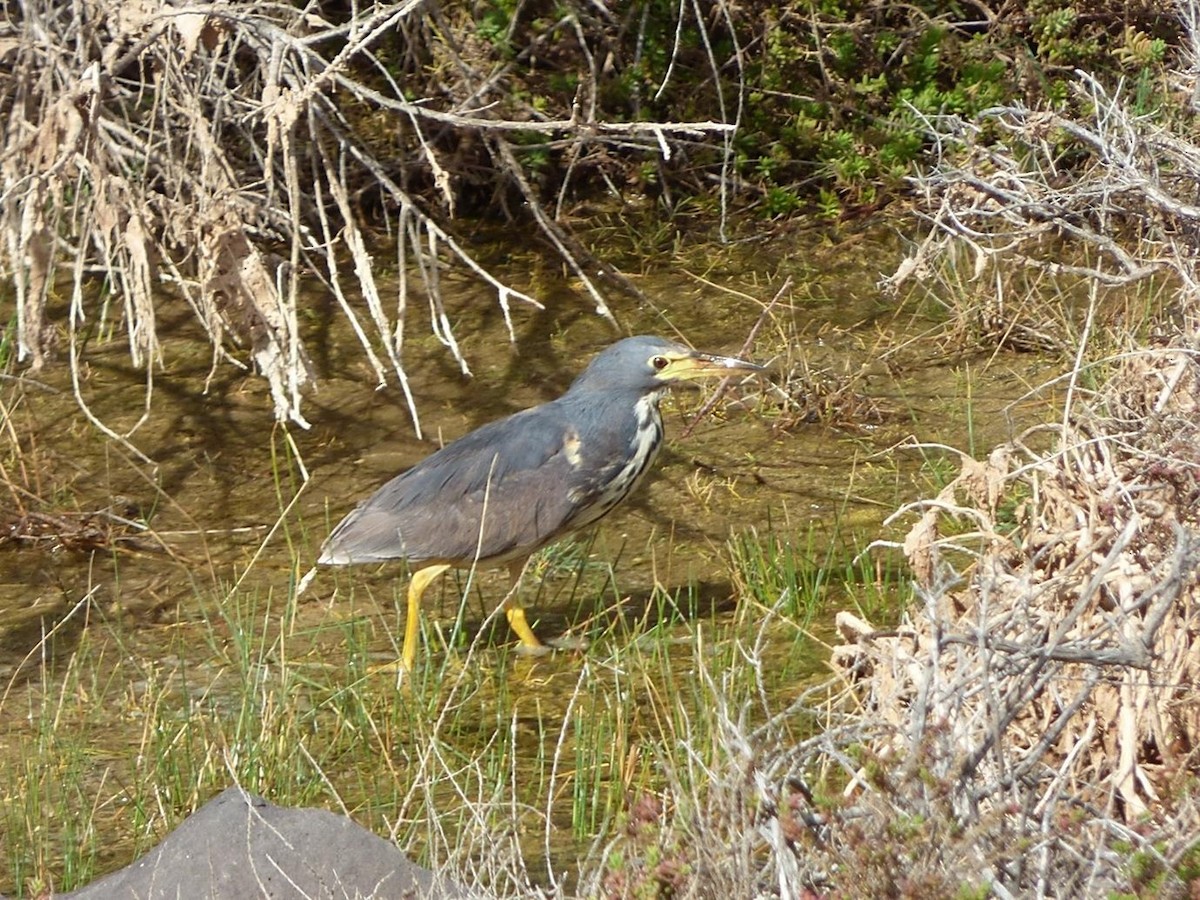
point(1054, 680)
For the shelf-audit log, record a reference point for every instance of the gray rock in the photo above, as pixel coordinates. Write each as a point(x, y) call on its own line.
point(239, 846)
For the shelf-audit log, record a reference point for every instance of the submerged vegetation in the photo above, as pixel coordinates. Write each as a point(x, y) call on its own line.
point(1012, 706)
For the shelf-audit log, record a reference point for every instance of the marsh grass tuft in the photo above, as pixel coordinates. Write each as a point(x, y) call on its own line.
point(510, 772)
point(506, 767)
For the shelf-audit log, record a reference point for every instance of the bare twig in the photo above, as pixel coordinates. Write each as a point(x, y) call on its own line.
point(196, 142)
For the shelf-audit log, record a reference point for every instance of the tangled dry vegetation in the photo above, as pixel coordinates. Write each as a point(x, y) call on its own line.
point(1050, 692)
point(1038, 714)
point(231, 149)
point(1033, 727)
point(1019, 200)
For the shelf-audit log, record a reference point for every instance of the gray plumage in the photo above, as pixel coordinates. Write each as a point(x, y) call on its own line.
point(512, 486)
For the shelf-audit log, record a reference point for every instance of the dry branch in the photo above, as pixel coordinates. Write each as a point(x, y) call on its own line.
point(1058, 673)
point(231, 150)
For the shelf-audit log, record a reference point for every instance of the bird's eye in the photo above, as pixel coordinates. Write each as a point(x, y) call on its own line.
point(660, 363)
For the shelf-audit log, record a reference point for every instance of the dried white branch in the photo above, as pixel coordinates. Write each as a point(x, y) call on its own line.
point(239, 146)
point(1003, 197)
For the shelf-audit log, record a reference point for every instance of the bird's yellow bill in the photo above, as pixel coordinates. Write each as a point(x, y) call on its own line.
point(693, 366)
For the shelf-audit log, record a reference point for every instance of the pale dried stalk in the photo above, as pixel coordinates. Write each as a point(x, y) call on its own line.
point(195, 140)
point(1059, 672)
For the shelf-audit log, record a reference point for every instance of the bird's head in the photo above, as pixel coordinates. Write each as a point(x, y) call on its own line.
point(648, 364)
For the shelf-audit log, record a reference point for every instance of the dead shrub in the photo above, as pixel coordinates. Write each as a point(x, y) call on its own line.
point(230, 151)
point(1053, 681)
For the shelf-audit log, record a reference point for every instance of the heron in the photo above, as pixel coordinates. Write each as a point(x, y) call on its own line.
point(513, 486)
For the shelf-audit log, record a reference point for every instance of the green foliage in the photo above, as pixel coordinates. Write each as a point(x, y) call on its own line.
point(531, 148)
point(493, 21)
point(781, 201)
point(829, 204)
point(854, 81)
point(837, 93)
point(1152, 879)
point(8, 343)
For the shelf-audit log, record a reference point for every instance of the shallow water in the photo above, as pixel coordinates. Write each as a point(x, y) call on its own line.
point(231, 515)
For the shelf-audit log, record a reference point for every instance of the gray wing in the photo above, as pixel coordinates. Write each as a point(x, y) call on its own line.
point(498, 493)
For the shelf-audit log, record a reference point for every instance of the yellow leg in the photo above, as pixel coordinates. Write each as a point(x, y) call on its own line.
point(515, 613)
point(421, 579)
